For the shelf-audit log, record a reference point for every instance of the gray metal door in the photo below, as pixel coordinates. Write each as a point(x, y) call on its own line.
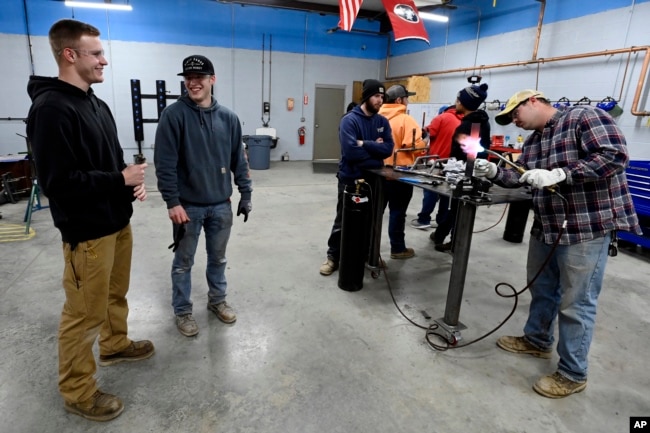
point(328, 109)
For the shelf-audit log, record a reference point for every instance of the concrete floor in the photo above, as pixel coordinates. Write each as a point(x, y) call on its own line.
point(305, 356)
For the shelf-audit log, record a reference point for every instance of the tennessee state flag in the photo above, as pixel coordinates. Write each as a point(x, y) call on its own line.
point(348, 10)
point(405, 20)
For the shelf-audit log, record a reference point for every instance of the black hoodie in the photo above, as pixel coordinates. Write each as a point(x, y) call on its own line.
point(78, 159)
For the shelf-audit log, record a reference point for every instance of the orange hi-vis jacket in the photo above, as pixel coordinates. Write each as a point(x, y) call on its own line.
point(403, 126)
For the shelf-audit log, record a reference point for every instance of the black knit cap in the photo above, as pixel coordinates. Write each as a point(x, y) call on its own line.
point(473, 96)
point(197, 64)
point(371, 88)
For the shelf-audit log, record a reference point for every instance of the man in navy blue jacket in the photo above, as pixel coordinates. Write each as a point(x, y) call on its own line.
point(366, 140)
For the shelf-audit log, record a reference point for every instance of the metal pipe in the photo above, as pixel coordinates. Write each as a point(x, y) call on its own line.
point(634, 111)
point(528, 62)
point(539, 28)
point(270, 76)
point(462, 239)
point(639, 86)
point(627, 64)
point(29, 38)
point(263, 47)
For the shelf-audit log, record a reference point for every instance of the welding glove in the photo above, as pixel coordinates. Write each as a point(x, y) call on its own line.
point(539, 178)
point(485, 168)
point(245, 206)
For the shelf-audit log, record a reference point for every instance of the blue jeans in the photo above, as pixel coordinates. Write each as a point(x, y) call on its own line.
point(429, 200)
point(397, 197)
point(216, 220)
point(334, 241)
point(567, 289)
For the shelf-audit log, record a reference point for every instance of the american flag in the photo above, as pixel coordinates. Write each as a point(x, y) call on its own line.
point(348, 10)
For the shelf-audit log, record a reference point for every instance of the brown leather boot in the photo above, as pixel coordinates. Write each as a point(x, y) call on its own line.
point(99, 407)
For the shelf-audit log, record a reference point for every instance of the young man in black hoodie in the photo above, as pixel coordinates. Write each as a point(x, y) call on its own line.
point(80, 166)
point(467, 102)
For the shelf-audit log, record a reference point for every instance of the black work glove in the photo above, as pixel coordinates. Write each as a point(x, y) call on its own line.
point(179, 232)
point(245, 206)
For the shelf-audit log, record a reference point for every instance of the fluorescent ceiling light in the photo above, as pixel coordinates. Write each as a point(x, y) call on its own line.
point(433, 17)
point(102, 5)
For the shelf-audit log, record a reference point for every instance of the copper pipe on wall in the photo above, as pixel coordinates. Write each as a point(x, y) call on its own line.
point(637, 95)
point(627, 65)
point(639, 87)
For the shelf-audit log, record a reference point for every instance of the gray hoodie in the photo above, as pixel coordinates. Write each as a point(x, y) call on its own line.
point(195, 153)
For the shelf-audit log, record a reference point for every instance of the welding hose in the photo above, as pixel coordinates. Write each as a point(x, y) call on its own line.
point(431, 330)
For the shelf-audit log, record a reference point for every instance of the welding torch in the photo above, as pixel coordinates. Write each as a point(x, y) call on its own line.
point(139, 157)
point(519, 168)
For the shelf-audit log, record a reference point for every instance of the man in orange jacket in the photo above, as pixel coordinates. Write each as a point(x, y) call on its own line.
point(407, 134)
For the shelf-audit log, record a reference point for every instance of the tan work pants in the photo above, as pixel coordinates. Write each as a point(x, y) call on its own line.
point(95, 279)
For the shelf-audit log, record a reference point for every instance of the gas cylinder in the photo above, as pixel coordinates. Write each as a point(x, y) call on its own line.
point(355, 235)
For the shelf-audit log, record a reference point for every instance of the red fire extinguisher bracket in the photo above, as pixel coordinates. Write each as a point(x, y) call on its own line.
point(301, 135)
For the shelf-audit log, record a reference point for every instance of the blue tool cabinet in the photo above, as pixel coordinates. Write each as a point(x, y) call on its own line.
point(638, 178)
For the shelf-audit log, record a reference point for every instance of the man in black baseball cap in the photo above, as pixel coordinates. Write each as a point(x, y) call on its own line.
point(197, 198)
point(197, 64)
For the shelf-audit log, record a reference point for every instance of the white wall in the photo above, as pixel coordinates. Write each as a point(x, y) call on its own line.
point(239, 87)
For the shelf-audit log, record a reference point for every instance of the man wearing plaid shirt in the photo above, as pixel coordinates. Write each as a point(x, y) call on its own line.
point(575, 162)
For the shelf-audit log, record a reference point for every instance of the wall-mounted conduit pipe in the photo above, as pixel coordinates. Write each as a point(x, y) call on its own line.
point(637, 94)
point(29, 38)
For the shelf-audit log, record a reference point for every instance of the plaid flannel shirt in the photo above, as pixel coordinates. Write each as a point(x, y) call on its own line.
point(587, 144)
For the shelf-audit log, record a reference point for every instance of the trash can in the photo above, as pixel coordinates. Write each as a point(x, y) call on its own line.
point(259, 151)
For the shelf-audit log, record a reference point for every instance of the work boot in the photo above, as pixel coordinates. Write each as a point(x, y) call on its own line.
point(99, 407)
point(558, 386)
point(328, 267)
point(137, 351)
point(406, 254)
point(187, 325)
point(521, 345)
point(223, 311)
point(443, 248)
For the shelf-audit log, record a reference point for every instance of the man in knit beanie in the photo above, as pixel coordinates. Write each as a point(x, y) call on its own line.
point(473, 96)
point(366, 139)
point(467, 102)
point(371, 88)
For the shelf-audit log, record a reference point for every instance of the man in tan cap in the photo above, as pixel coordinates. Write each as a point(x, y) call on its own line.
point(575, 161)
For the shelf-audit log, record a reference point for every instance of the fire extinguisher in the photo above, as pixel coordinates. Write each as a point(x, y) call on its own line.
point(301, 135)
